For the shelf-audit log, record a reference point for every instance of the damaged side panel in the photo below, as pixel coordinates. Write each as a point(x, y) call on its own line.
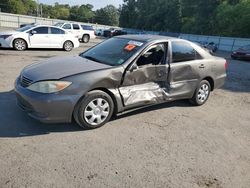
point(183, 79)
point(148, 93)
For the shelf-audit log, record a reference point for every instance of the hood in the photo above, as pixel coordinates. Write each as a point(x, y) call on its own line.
point(59, 67)
point(12, 32)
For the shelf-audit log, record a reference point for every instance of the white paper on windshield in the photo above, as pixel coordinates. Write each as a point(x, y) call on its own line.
point(136, 43)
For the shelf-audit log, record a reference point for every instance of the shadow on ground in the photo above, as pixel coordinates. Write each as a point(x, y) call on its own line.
point(16, 123)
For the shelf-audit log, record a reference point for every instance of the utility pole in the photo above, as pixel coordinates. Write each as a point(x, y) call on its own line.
point(41, 10)
point(37, 8)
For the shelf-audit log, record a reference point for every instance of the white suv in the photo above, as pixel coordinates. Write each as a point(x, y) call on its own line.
point(83, 32)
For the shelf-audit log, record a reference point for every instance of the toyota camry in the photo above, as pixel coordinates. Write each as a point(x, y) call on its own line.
point(121, 73)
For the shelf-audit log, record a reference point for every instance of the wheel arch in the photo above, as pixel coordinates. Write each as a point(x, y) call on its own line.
point(12, 43)
point(110, 94)
point(107, 91)
point(211, 81)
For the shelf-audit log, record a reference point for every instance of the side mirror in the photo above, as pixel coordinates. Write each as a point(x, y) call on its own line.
point(133, 67)
point(33, 32)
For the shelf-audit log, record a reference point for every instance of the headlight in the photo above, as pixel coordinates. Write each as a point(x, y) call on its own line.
point(49, 86)
point(5, 36)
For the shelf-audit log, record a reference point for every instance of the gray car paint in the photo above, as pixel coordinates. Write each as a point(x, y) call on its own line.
point(128, 87)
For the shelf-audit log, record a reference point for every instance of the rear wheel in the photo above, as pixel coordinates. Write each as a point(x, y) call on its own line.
point(94, 110)
point(68, 46)
point(85, 38)
point(201, 94)
point(19, 44)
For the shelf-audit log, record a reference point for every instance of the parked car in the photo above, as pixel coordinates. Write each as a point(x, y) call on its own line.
point(41, 36)
point(108, 32)
point(99, 32)
point(211, 46)
point(242, 53)
point(114, 32)
point(118, 74)
point(23, 25)
point(83, 32)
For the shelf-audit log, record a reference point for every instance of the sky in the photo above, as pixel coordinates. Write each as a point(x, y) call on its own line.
point(96, 3)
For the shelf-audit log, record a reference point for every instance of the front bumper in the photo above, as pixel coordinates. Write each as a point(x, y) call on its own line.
point(5, 43)
point(47, 108)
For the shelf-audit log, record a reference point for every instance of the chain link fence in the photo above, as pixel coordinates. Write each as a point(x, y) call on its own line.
point(223, 43)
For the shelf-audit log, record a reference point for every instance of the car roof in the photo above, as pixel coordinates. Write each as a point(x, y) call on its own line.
point(147, 38)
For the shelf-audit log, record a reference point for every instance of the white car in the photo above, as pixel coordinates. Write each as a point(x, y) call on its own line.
point(38, 36)
point(83, 32)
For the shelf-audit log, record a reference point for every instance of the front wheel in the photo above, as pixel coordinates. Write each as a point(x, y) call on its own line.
point(20, 44)
point(201, 93)
point(94, 110)
point(68, 46)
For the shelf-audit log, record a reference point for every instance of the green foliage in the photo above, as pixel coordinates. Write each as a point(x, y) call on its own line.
point(233, 20)
point(207, 17)
point(108, 15)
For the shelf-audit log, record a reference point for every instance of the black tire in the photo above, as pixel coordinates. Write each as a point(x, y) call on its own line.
point(85, 38)
point(197, 100)
point(20, 44)
point(68, 46)
point(82, 110)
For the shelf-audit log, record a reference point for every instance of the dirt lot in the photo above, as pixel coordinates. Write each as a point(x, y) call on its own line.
point(169, 145)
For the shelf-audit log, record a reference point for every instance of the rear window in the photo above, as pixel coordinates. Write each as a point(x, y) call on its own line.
point(87, 27)
point(76, 26)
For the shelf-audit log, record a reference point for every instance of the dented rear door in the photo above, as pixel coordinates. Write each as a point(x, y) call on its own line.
point(184, 70)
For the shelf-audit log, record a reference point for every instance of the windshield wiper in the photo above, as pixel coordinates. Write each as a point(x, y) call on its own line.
point(92, 58)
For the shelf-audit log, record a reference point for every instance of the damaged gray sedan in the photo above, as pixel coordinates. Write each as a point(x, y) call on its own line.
point(118, 74)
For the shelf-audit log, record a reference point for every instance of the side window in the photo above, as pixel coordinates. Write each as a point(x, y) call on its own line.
point(182, 51)
point(76, 26)
point(56, 31)
point(41, 30)
point(87, 27)
point(153, 56)
point(67, 26)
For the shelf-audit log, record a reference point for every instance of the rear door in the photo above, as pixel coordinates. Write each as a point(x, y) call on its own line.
point(186, 68)
point(39, 37)
point(57, 36)
point(142, 83)
point(76, 30)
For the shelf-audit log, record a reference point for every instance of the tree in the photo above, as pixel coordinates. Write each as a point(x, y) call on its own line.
point(108, 15)
point(16, 7)
point(128, 13)
point(83, 13)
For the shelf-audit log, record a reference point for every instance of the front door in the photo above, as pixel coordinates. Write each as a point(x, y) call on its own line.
point(39, 37)
point(145, 80)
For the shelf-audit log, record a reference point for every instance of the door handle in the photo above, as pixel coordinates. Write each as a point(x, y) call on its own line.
point(202, 66)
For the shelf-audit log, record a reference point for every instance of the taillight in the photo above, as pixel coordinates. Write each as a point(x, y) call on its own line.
point(226, 65)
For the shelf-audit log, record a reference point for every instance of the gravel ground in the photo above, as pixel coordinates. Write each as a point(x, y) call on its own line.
point(168, 145)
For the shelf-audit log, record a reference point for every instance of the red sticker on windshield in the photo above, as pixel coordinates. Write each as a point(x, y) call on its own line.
point(129, 47)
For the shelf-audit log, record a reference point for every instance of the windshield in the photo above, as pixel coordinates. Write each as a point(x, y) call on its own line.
point(58, 24)
point(25, 28)
point(114, 51)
